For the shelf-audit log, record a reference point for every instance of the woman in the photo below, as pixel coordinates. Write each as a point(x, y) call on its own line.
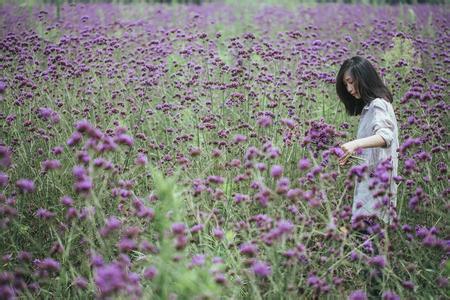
point(363, 93)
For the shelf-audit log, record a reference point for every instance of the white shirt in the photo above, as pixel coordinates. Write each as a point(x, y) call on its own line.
point(377, 117)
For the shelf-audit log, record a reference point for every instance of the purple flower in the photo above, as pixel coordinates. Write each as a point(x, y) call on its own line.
point(24, 256)
point(239, 138)
point(81, 282)
point(338, 151)
point(124, 140)
point(66, 201)
point(218, 233)
point(49, 265)
point(294, 193)
point(97, 260)
point(357, 295)
point(141, 159)
point(45, 214)
point(215, 179)
point(74, 139)
point(5, 157)
point(216, 152)
point(219, 278)
point(282, 185)
point(45, 113)
point(284, 226)
point(197, 228)
point(388, 295)
point(248, 249)
point(276, 171)
point(288, 122)
point(407, 284)
point(217, 260)
point(378, 261)
point(150, 272)
point(198, 260)
point(55, 118)
point(261, 166)
point(25, 185)
point(83, 126)
point(261, 269)
point(110, 279)
point(358, 171)
point(251, 153)
point(57, 150)
point(264, 121)
point(410, 165)
point(83, 186)
point(78, 172)
point(442, 282)
point(71, 213)
point(315, 281)
point(195, 151)
point(3, 179)
point(178, 228)
point(273, 152)
point(126, 245)
point(52, 164)
point(408, 143)
point(112, 223)
point(304, 164)
point(2, 86)
point(181, 242)
point(354, 256)
point(238, 198)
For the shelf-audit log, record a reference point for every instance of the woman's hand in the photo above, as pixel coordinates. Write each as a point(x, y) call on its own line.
point(348, 148)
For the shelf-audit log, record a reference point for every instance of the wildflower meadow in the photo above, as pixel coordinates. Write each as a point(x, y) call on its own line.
point(152, 151)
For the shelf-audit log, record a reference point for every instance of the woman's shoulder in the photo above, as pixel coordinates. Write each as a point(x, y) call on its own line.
point(379, 103)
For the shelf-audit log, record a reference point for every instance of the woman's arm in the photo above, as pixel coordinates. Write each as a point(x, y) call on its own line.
point(368, 142)
point(373, 141)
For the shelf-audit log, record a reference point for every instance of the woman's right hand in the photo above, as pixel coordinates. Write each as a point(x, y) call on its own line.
point(348, 148)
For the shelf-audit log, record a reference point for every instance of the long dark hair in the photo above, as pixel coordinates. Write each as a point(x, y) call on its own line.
point(367, 81)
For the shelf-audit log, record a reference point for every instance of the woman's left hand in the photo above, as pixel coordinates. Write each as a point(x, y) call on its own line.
point(348, 148)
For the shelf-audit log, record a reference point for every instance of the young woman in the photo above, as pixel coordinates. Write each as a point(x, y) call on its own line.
point(363, 93)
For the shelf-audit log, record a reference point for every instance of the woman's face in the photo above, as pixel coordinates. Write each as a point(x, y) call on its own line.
point(350, 85)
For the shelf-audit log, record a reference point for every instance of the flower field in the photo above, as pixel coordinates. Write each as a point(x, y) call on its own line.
point(191, 152)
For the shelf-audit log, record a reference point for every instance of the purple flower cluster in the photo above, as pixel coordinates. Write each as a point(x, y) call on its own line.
point(320, 135)
point(241, 124)
point(114, 279)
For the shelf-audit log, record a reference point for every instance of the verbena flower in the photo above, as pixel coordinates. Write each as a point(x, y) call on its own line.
point(389, 295)
point(261, 269)
point(45, 214)
point(304, 164)
point(218, 233)
point(81, 282)
point(248, 249)
point(25, 185)
point(5, 156)
point(3, 179)
point(110, 279)
point(150, 273)
point(51, 164)
point(276, 171)
point(378, 261)
point(358, 295)
point(178, 228)
point(198, 260)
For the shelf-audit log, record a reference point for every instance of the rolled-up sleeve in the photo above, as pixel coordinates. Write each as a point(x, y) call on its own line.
point(382, 123)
